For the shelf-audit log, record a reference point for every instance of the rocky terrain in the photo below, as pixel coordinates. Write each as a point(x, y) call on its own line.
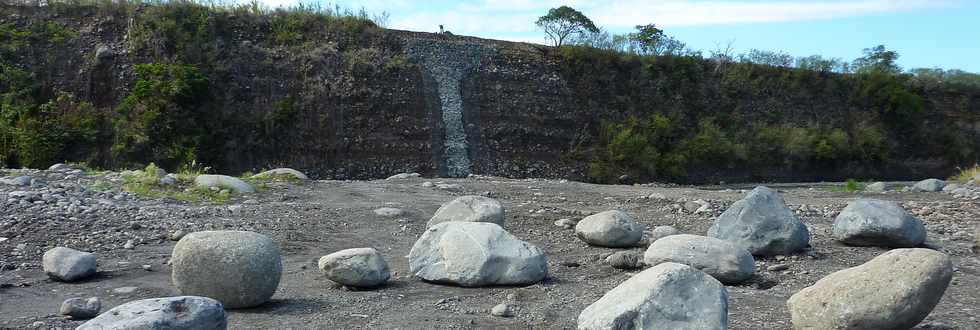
point(133, 237)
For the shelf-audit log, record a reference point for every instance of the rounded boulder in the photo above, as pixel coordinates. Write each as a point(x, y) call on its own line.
point(895, 290)
point(362, 267)
point(762, 224)
point(239, 268)
point(223, 182)
point(610, 229)
point(174, 313)
point(723, 260)
point(68, 265)
point(870, 222)
point(469, 209)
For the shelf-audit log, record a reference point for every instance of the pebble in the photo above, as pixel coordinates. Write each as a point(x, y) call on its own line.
point(125, 290)
point(777, 267)
point(502, 310)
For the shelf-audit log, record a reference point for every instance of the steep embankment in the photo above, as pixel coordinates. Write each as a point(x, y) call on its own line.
point(240, 90)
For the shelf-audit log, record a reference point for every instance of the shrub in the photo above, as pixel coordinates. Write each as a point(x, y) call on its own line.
point(966, 174)
point(160, 120)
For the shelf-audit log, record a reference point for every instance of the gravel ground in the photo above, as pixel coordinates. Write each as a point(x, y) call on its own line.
point(87, 211)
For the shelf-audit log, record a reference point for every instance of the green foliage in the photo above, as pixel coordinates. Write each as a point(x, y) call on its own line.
point(852, 186)
point(966, 174)
point(160, 119)
point(564, 21)
point(146, 183)
point(890, 95)
point(878, 59)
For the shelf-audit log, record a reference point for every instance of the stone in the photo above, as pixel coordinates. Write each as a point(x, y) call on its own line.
point(566, 223)
point(171, 313)
point(469, 209)
point(68, 265)
point(389, 212)
point(427, 184)
point(666, 296)
point(609, 229)
point(80, 308)
point(125, 290)
point(502, 310)
point(473, 254)
point(59, 167)
point(239, 268)
point(895, 290)
point(403, 176)
point(662, 231)
point(362, 267)
point(168, 180)
point(223, 182)
point(129, 245)
point(929, 185)
point(20, 181)
point(279, 172)
point(721, 259)
point(877, 187)
point(762, 224)
point(777, 268)
point(949, 188)
point(625, 260)
point(657, 196)
point(870, 222)
point(176, 235)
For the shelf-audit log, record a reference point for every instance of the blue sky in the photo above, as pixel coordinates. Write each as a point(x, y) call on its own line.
point(926, 33)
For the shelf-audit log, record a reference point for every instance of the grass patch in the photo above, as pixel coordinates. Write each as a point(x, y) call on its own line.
point(146, 183)
point(851, 186)
point(966, 174)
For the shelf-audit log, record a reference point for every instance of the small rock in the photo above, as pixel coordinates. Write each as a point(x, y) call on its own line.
point(68, 265)
point(777, 268)
point(625, 260)
point(469, 209)
point(403, 176)
point(282, 172)
point(877, 187)
point(662, 231)
point(566, 223)
point(427, 184)
point(176, 235)
point(223, 182)
point(147, 267)
point(125, 290)
point(129, 245)
point(389, 212)
point(502, 310)
point(79, 308)
point(929, 185)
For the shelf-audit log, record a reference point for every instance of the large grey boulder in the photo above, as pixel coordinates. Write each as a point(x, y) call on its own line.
point(723, 260)
point(282, 172)
point(609, 229)
point(870, 222)
point(666, 296)
point(171, 313)
point(877, 187)
point(469, 209)
point(68, 265)
point(895, 290)
point(362, 267)
point(223, 182)
point(929, 185)
point(762, 224)
point(239, 268)
point(21, 181)
point(475, 254)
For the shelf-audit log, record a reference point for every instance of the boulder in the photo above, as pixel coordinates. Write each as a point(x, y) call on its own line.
point(68, 265)
point(929, 185)
point(877, 187)
point(475, 254)
point(662, 231)
point(80, 308)
point(282, 172)
point(609, 229)
point(949, 188)
point(895, 290)
point(723, 260)
point(239, 268)
point(469, 209)
point(403, 176)
point(21, 181)
point(666, 296)
point(362, 267)
point(762, 224)
point(172, 313)
point(223, 182)
point(870, 222)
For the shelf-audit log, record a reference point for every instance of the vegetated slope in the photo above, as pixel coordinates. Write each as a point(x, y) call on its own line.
point(241, 89)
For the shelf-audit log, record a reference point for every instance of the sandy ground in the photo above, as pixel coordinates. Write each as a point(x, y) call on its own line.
point(313, 219)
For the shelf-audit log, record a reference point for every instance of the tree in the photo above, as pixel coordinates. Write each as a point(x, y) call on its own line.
point(562, 22)
point(878, 59)
point(765, 57)
point(647, 38)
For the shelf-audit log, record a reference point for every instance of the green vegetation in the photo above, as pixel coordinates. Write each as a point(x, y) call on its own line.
point(564, 21)
point(146, 183)
point(966, 174)
point(852, 186)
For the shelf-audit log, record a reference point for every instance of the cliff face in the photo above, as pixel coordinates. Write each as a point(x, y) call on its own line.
point(366, 102)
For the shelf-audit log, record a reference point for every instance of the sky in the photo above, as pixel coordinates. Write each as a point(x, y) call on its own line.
point(926, 33)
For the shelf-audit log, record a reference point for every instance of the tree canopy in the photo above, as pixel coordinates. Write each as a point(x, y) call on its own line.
point(564, 21)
